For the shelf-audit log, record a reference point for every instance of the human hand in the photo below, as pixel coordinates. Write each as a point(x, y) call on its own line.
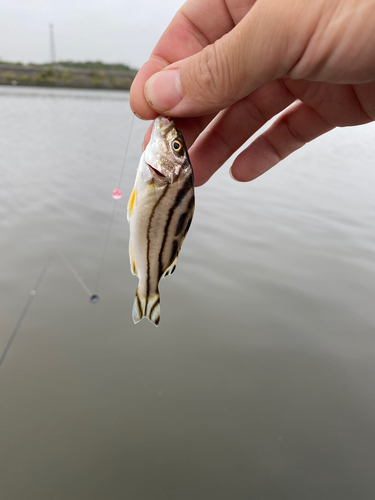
point(225, 67)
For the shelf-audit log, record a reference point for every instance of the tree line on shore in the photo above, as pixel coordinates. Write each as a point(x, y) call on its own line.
point(89, 74)
point(93, 65)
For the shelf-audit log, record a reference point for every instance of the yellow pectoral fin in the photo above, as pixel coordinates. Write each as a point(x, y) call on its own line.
point(131, 203)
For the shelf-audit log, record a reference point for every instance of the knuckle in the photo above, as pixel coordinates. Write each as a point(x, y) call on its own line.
point(212, 75)
point(254, 112)
point(297, 138)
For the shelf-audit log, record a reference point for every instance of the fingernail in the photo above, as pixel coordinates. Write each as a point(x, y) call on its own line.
point(143, 146)
point(231, 174)
point(163, 90)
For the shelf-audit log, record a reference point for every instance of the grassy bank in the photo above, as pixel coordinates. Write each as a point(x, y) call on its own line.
point(89, 75)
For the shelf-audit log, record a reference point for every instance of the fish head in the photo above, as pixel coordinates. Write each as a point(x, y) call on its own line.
point(166, 154)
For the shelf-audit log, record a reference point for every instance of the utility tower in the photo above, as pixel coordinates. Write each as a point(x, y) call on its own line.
point(52, 43)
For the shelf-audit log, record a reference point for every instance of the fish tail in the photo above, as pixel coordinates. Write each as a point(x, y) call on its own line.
point(146, 306)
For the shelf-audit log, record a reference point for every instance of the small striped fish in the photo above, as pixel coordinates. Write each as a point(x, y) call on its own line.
point(160, 211)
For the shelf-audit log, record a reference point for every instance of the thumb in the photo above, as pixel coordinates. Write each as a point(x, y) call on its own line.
point(263, 46)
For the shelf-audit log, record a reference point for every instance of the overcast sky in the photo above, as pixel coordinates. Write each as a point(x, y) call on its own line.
point(107, 30)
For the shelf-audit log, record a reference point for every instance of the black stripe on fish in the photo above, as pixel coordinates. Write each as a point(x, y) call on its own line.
point(186, 187)
point(149, 242)
point(189, 210)
point(138, 301)
point(191, 204)
point(174, 250)
point(154, 313)
point(154, 306)
point(181, 222)
point(188, 226)
point(138, 312)
point(184, 190)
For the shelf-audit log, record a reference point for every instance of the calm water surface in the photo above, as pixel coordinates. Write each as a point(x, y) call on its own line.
point(259, 382)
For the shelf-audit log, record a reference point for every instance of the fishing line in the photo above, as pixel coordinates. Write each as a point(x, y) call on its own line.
point(93, 297)
point(32, 295)
point(116, 195)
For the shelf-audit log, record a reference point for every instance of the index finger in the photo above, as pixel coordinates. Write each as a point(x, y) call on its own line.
point(197, 24)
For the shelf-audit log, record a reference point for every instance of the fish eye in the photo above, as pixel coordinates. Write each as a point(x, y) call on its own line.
point(177, 146)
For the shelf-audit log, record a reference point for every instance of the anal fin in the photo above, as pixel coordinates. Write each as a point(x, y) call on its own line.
point(170, 269)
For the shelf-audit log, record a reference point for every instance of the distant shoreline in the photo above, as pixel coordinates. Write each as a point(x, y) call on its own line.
point(71, 75)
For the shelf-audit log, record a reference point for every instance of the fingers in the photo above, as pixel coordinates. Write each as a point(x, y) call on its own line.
point(217, 66)
point(334, 106)
point(233, 127)
point(195, 25)
point(265, 45)
point(293, 129)
point(341, 105)
point(138, 103)
point(365, 95)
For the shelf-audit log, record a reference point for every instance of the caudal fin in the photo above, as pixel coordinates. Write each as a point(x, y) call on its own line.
point(146, 307)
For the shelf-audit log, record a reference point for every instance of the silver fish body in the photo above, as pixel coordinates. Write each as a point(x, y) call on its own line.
point(160, 212)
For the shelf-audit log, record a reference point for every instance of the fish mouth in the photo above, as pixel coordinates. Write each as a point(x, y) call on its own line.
point(155, 172)
point(162, 125)
point(164, 121)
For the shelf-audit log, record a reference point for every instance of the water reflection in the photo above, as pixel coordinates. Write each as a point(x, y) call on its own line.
point(258, 382)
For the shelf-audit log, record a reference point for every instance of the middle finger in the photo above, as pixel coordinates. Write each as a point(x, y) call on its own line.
point(232, 128)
